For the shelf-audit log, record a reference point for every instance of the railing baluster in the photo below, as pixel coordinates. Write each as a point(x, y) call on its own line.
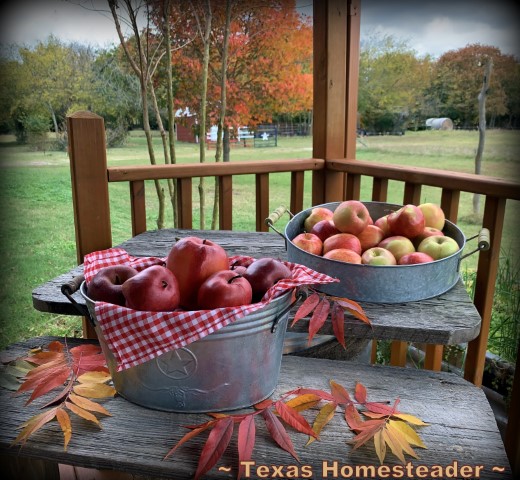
point(262, 201)
point(225, 202)
point(494, 212)
point(138, 207)
point(353, 187)
point(380, 189)
point(412, 193)
point(297, 187)
point(450, 204)
point(184, 200)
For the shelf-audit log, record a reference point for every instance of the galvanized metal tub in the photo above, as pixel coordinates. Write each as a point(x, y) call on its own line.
point(377, 283)
point(234, 367)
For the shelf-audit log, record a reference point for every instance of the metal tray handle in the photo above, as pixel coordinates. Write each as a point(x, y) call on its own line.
point(484, 240)
point(275, 216)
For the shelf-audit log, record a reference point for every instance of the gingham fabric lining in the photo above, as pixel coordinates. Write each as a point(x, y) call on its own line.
point(134, 337)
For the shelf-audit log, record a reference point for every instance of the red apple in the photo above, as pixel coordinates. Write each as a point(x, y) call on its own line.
point(433, 215)
point(343, 255)
point(382, 223)
point(192, 260)
point(316, 215)
point(309, 242)
point(342, 240)
point(154, 289)
point(106, 284)
point(378, 256)
point(415, 257)
point(438, 246)
point(398, 245)
point(351, 216)
point(408, 221)
point(224, 289)
point(324, 229)
point(370, 237)
point(427, 232)
point(263, 273)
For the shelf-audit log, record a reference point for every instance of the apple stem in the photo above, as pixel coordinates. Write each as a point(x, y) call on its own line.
point(233, 278)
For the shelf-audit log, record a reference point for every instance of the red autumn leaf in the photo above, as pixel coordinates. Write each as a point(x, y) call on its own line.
point(55, 346)
point(377, 407)
point(308, 305)
point(191, 434)
point(352, 417)
point(246, 441)
point(293, 418)
point(360, 393)
point(320, 393)
point(367, 433)
point(354, 308)
point(338, 323)
point(278, 432)
point(54, 380)
point(263, 404)
point(339, 393)
point(216, 444)
point(318, 318)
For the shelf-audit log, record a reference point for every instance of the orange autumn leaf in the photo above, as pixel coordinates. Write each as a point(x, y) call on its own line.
point(82, 413)
point(89, 405)
point(324, 416)
point(64, 420)
point(34, 424)
point(339, 393)
point(303, 402)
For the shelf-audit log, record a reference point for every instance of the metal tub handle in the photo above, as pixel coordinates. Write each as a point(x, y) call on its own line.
point(484, 240)
point(69, 288)
point(275, 216)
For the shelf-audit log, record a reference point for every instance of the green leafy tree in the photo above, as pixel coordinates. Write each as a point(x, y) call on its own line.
point(391, 81)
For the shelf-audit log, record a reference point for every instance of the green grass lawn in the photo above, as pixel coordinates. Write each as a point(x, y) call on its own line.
point(37, 234)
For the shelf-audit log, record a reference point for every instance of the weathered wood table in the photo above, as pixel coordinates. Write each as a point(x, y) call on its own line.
point(450, 318)
point(462, 438)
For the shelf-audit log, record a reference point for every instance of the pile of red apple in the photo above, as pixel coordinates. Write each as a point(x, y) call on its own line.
point(197, 275)
point(410, 235)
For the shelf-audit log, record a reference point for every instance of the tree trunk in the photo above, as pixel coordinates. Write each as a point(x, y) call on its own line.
point(171, 114)
point(481, 128)
point(223, 106)
point(203, 99)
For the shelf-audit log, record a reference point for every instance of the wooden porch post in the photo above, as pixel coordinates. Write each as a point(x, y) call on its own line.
point(336, 71)
point(88, 170)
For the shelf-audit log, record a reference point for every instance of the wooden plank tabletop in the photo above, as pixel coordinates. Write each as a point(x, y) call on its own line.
point(462, 429)
point(450, 318)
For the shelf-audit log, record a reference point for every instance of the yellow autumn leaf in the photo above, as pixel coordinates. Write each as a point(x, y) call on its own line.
point(94, 390)
point(380, 446)
point(303, 402)
point(87, 404)
point(395, 447)
point(324, 416)
point(410, 434)
point(82, 413)
point(94, 377)
point(64, 420)
point(400, 438)
point(410, 419)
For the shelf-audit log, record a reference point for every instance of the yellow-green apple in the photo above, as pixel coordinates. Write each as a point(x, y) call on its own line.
point(106, 284)
point(438, 246)
point(342, 240)
point(324, 229)
point(192, 260)
point(398, 245)
point(370, 237)
point(343, 255)
point(316, 215)
point(427, 232)
point(378, 256)
point(309, 242)
point(433, 215)
point(154, 289)
point(414, 258)
point(263, 273)
point(351, 216)
point(224, 289)
point(382, 223)
point(408, 221)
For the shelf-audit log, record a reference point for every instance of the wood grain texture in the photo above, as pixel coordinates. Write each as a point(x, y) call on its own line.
point(447, 319)
point(135, 439)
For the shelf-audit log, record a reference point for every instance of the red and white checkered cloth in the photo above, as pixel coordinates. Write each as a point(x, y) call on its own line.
point(135, 337)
